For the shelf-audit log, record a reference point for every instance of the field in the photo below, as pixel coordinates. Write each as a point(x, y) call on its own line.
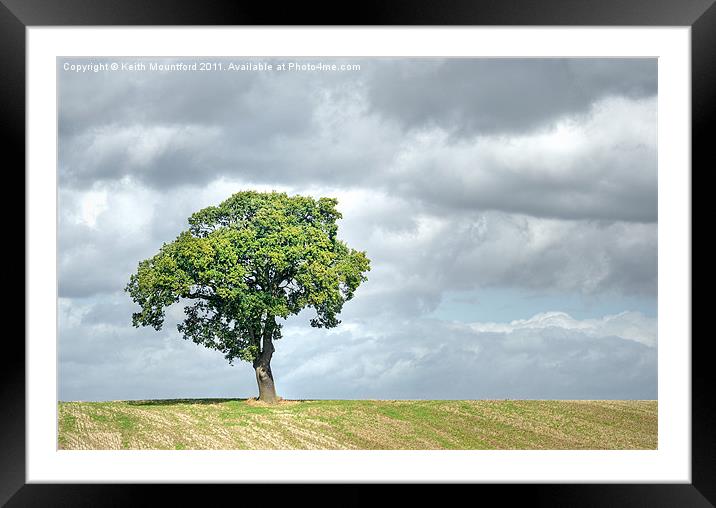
point(358, 424)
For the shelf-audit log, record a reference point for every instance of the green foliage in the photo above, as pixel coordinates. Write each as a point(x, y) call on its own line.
point(241, 265)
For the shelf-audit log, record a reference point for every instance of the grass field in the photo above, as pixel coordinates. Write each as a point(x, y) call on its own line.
point(358, 424)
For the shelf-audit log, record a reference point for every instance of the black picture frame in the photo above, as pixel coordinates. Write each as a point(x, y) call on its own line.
point(16, 15)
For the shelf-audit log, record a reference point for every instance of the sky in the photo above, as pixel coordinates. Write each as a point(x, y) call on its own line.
point(508, 206)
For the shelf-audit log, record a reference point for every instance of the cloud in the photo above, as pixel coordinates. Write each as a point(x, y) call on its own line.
point(501, 96)
point(102, 357)
point(416, 255)
point(434, 359)
point(547, 356)
point(601, 165)
point(590, 159)
point(154, 153)
point(626, 325)
point(456, 177)
point(168, 129)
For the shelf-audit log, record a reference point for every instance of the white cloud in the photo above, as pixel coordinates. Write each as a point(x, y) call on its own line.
point(601, 164)
point(92, 204)
point(550, 355)
point(626, 325)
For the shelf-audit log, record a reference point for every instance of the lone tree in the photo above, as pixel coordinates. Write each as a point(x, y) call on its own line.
point(242, 265)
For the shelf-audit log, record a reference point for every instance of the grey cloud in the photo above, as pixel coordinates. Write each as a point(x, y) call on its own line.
point(601, 165)
point(103, 98)
point(469, 96)
point(99, 258)
point(446, 195)
point(102, 357)
point(416, 255)
point(414, 267)
point(93, 261)
point(189, 129)
point(374, 359)
point(432, 360)
point(207, 123)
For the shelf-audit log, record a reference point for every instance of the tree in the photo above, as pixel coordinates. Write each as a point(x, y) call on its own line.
point(241, 266)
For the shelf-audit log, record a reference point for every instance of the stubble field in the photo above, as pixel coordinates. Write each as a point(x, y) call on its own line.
point(358, 424)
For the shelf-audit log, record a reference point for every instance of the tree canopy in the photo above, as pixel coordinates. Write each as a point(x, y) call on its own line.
point(242, 264)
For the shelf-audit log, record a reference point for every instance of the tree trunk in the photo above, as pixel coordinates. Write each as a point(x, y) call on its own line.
point(262, 366)
point(264, 378)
